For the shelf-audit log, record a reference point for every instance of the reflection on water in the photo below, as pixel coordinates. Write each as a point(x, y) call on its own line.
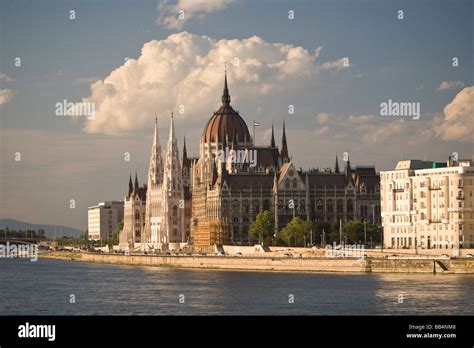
point(44, 287)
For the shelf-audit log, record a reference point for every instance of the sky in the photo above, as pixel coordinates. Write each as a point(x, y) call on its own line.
point(332, 62)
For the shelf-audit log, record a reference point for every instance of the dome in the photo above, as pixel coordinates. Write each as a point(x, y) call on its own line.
point(226, 122)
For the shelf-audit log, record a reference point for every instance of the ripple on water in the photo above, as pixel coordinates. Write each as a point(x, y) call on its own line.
point(44, 288)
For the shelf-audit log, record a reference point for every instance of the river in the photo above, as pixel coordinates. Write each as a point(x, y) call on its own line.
point(47, 287)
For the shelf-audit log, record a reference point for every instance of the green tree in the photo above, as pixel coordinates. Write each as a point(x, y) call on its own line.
point(296, 232)
point(354, 230)
point(263, 228)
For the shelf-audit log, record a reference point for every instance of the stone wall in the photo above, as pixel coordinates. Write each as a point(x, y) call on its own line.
point(237, 263)
point(257, 263)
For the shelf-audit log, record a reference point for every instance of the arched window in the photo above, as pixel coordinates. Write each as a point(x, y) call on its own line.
point(256, 207)
point(350, 205)
point(295, 183)
point(319, 205)
point(340, 206)
point(245, 207)
point(225, 206)
point(329, 206)
point(235, 206)
point(266, 204)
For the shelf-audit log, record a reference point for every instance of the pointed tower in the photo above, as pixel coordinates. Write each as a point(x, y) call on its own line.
point(225, 95)
point(137, 186)
point(173, 195)
point(130, 186)
point(284, 147)
point(154, 193)
point(348, 165)
point(185, 153)
point(272, 142)
point(336, 167)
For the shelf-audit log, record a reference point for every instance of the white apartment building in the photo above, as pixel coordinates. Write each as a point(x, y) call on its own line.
point(104, 218)
point(428, 205)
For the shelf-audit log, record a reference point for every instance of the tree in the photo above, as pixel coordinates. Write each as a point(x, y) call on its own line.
point(263, 228)
point(296, 232)
point(115, 238)
point(354, 230)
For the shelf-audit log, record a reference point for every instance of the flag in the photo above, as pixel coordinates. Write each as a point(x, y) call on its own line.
point(256, 124)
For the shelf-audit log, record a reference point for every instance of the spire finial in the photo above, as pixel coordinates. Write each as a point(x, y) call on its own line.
point(336, 167)
point(272, 144)
point(225, 95)
point(284, 146)
point(136, 182)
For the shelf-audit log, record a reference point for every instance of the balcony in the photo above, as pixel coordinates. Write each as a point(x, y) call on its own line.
point(460, 198)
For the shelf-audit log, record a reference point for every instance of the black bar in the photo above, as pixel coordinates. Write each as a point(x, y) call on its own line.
point(262, 330)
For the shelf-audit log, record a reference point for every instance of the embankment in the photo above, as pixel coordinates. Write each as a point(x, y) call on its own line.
point(367, 265)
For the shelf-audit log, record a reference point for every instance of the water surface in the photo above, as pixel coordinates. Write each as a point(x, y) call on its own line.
point(44, 288)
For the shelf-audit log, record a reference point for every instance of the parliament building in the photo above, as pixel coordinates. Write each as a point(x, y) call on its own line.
point(212, 199)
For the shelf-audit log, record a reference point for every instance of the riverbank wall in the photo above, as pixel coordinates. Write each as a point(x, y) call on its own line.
point(342, 265)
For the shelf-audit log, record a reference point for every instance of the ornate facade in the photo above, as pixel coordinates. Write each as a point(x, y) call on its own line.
point(213, 199)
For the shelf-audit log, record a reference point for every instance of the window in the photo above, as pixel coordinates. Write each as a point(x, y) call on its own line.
point(329, 206)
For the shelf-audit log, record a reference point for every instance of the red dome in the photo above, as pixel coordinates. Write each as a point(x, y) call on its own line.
point(226, 123)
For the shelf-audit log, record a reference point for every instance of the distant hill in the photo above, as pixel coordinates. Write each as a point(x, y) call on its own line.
point(50, 231)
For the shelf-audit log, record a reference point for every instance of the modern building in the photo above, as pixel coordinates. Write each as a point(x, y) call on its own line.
point(213, 199)
point(103, 219)
point(428, 205)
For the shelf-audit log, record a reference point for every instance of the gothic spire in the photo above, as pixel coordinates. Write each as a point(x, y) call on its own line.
point(172, 135)
point(136, 182)
point(185, 152)
point(225, 95)
point(130, 185)
point(155, 171)
point(284, 146)
point(156, 141)
point(272, 144)
point(336, 168)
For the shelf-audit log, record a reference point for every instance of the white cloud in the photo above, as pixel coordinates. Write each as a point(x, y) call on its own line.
point(174, 15)
point(374, 134)
point(447, 85)
point(458, 121)
point(321, 131)
point(337, 64)
point(186, 69)
point(323, 117)
point(6, 95)
point(5, 78)
point(86, 80)
point(363, 118)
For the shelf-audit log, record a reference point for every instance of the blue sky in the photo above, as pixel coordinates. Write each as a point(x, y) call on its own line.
point(404, 60)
